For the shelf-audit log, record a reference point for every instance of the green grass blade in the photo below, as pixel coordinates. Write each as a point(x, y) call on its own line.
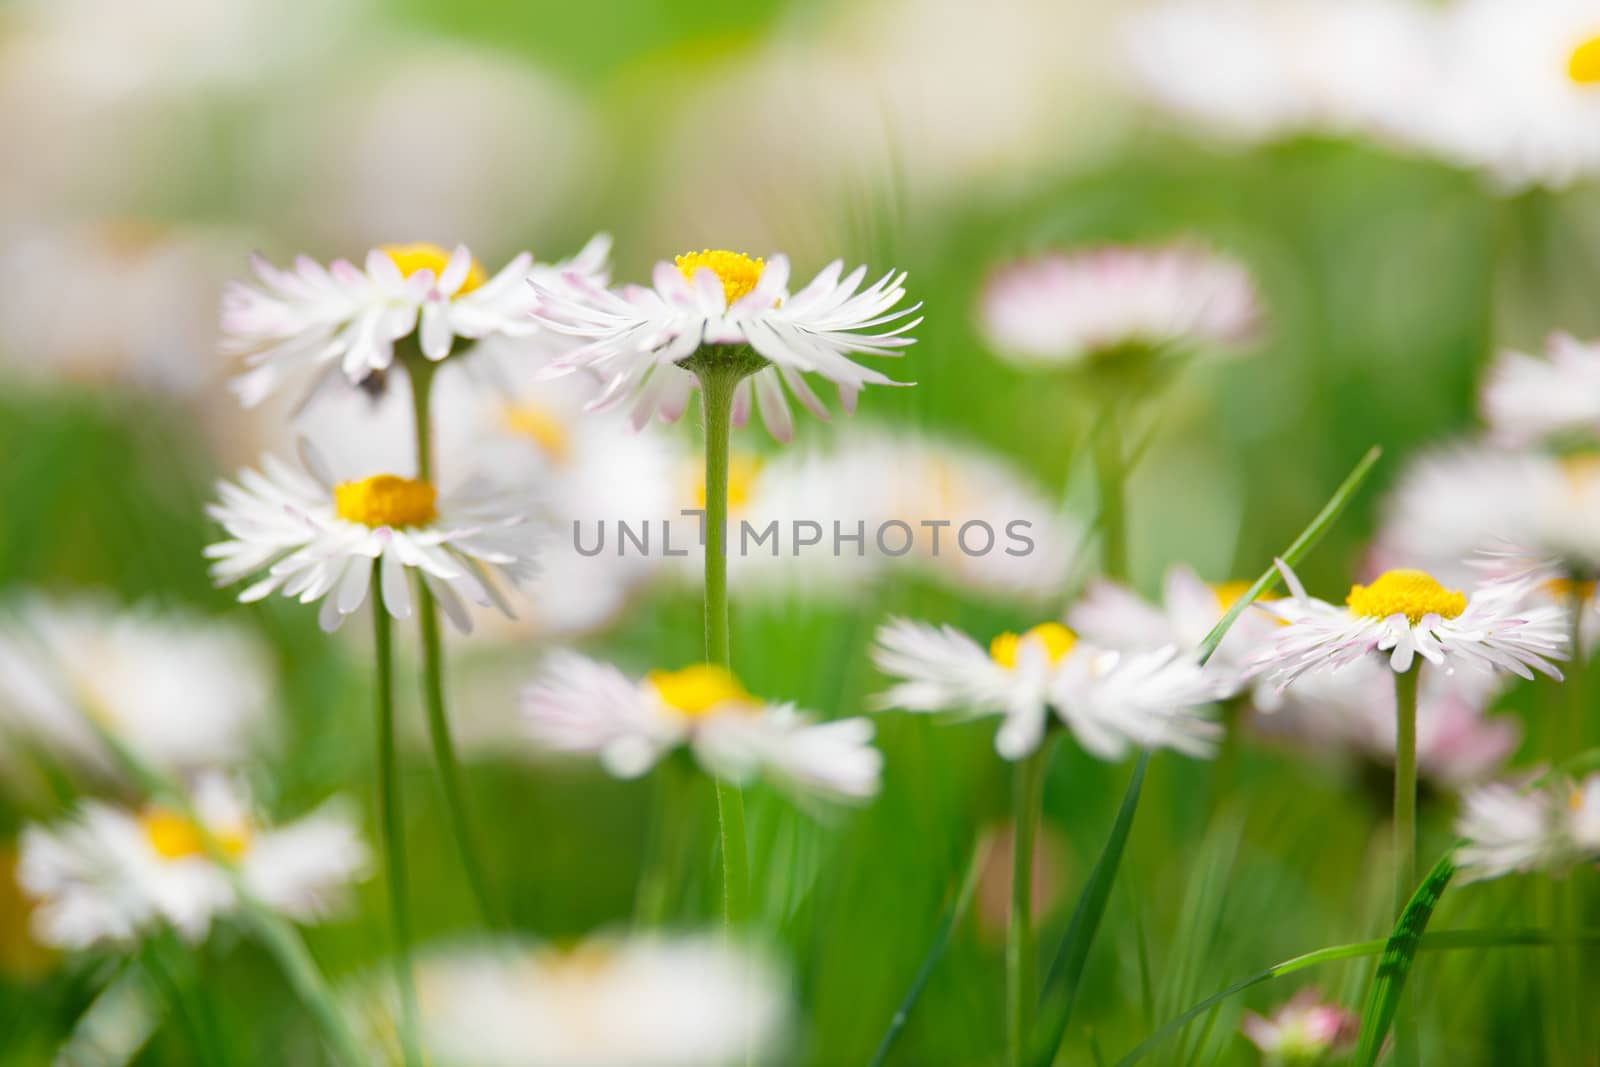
point(1399, 952)
point(1296, 551)
point(1447, 940)
point(1066, 971)
point(941, 940)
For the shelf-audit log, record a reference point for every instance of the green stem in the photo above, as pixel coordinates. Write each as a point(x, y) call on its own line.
point(1571, 979)
point(1027, 798)
point(444, 750)
point(391, 816)
point(1405, 839)
point(1110, 474)
point(718, 382)
point(653, 902)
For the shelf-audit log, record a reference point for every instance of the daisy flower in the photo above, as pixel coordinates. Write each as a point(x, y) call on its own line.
point(312, 537)
point(645, 1001)
point(1512, 90)
point(1306, 1030)
point(1527, 399)
point(1110, 701)
point(1510, 831)
point(1067, 309)
point(346, 319)
point(735, 311)
point(1407, 613)
point(184, 692)
point(1111, 615)
point(109, 874)
point(581, 706)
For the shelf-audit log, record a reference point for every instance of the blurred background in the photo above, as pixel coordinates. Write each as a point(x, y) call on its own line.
point(151, 147)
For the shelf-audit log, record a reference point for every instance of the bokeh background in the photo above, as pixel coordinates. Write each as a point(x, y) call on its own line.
point(149, 147)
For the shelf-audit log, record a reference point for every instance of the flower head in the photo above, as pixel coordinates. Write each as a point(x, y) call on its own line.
point(110, 873)
point(1407, 613)
point(682, 1001)
point(309, 320)
point(1509, 830)
point(1110, 701)
point(727, 306)
point(1306, 1030)
point(1527, 399)
point(315, 538)
point(580, 706)
point(183, 692)
point(1066, 309)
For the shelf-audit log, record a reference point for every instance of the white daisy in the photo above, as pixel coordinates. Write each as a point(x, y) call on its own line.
point(581, 706)
point(737, 308)
point(296, 321)
point(643, 1001)
point(317, 539)
point(1512, 89)
point(110, 873)
point(1509, 830)
point(1406, 613)
point(184, 692)
point(1065, 309)
point(1527, 399)
point(1110, 701)
point(1110, 615)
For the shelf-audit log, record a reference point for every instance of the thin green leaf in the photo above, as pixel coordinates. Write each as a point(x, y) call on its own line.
point(1399, 952)
point(1446, 940)
point(1066, 971)
point(941, 939)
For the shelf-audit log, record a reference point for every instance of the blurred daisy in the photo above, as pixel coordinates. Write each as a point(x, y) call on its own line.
point(183, 691)
point(1513, 91)
point(315, 538)
point(1066, 309)
point(1527, 399)
point(1307, 1030)
point(1404, 614)
point(1111, 615)
point(580, 706)
point(732, 307)
point(1110, 701)
point(684, 1001)
point(1353, 710)
point(1515, 831)
point(312, 320)
point(109, 874)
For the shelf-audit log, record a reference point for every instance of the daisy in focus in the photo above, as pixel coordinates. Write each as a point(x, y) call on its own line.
point(1304, 1031)
point(721, 308)
point(1111, 701)
point(584, 707)
point(110, 874)
point(1404, 614)
point(182, 691)
point(644, 1001)
point(1070, 309)
point(1513, 831)
point(310, 322)
point(301, 532)
point(1527, 399)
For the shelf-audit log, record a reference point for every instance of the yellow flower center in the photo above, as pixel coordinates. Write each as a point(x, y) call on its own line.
point(1405, 592)
point(174, 836)
point(539, 426)
point(737, 271)
point(424, 256)
point(1569, 588)
point(698, 690)
point(386, 500)
point(1583, 66)
point(1057, 641)
point(743, 472)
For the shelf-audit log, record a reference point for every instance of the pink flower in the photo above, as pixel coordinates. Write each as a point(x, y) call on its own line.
point(1306, 1030)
